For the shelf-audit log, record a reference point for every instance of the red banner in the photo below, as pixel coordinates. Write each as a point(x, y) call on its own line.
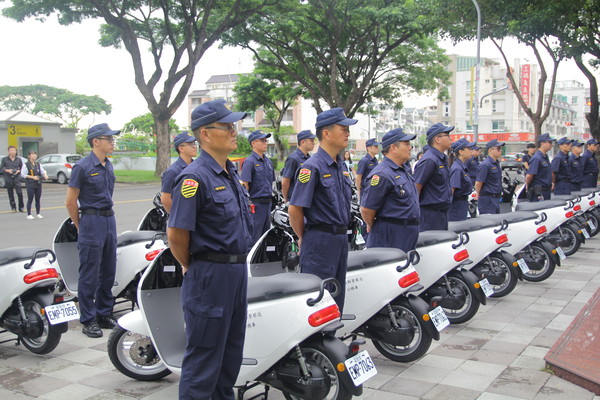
point(503, 137)
point(525, 85)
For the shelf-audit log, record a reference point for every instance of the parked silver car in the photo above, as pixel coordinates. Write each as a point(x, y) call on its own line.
point(59, 166)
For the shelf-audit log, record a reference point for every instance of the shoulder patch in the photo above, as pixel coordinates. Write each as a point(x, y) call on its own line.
point(304, 175)
point(189, 187)
point(375, 180)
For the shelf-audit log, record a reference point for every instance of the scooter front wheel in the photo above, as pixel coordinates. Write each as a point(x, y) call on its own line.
point(535, 255)
point(51, 334)
point(499, 264)
point(470, 306)
point(134, 355)
point(592, 217)
point(570, 241)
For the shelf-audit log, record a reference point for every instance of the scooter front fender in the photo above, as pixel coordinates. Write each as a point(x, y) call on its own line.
point(577, 228)
point(511, 262)
point(473, 284)
point(421, 308)
point(338, 353)
point(134, 322)
point(547, 246)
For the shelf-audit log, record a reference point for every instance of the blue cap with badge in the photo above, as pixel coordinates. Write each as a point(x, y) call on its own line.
point(100, 130)
point(395, 135)
point(564, 140)
point(473, 145)
point(494, 143)
point(437, 129)
point(258, 134)
point(577, 143)
point(545, 138)
point(183, 137)
point(214, 111)
point(306, 134)
point(460, 144)
point(592, 141)
point(371, 142)
point(334, 116)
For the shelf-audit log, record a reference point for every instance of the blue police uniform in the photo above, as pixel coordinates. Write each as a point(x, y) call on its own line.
point(490, 173)
point(364, 168)
point(324, 191)
point(576, 167)
point(590, 169)
point(259, 173)
point(562, 169)
point(460, 181)
point(392, 193)
point(170, 174)
point(432, 173)
point(97, 240)
point(472, 165)
point(212, 204)
point(542, 180)
point(290, 169)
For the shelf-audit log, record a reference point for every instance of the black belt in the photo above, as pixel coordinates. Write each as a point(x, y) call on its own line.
point(399, 221)
point(546, 187)
point(220, 258)
point(435, 208)
point(563, 180)
point(497, 196)
point(465, 197)
point(95, 211)
point(263, 200)
point(590, 173)
point(338, 230)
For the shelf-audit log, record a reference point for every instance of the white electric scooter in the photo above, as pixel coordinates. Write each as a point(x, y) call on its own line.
point(289, 342)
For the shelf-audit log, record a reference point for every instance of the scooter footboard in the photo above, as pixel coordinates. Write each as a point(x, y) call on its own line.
point(473, 285)
point(338, 353)
point(421, 308)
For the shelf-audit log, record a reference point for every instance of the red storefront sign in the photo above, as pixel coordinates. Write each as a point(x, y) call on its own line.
point(525, 84)
point(503, 137)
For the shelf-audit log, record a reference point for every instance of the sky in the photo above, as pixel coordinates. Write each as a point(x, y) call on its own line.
point(69, 57)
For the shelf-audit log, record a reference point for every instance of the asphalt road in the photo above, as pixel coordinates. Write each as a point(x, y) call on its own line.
point(132, 201)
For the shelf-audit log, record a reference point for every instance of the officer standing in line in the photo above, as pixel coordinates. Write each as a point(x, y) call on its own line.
point(527, 156)
point(366, 164)
point(390, 202)
point(472, 163)
point(323, 196)
point(561, 170)
point(306, 144)
point(92, 184)
point(11, 166)
point(489, 179)
point(539, 175)
point(187, 148)
point(258, 176)
point(432, 177)
point(460, 182)
point(210, 230)
point(590, 165)
point(576, 165)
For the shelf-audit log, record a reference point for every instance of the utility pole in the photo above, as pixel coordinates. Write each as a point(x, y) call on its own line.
point(477, 73)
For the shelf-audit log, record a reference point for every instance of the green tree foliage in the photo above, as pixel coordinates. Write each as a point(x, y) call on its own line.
point(145, 124)
point(243, 147)
point(55, 103)
point(139, 134)
point(346, 52)
point(175, 34)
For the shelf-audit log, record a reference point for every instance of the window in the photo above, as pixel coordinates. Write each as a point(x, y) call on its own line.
point(498, 126)
point(469, 127)
point(468, 88)
point(468, 107)
point(446, 109)
point(574, 100)
point(498, 106)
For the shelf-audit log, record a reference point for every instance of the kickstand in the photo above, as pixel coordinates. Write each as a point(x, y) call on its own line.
point(261, 396)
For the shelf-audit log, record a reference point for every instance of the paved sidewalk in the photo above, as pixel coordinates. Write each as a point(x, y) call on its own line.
point(497, 355)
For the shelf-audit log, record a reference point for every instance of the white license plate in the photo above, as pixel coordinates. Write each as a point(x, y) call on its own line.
point(360, 240)
point(585, 233)
point(523, 265)
point(591, 224)
point(439, 318)
point(360, 367)
point(561, 253)
point(63, 312)
point(486, 287)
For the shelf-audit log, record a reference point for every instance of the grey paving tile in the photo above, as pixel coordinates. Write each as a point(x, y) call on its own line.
point(73, 391)
point(495, 396)
point(9, 394)
point(381, 395)
point(560, 322)
point(408, 387)
point(519, 382)
point(494, 357)
point(478, 323)
point(547, 338)
point(547, 393)
point(535, 363)
point(435, 361)
point(534, 318)
point(445, 392)
point(424, 373)
point(31, 384)
point(558, 383)
point(504, 347)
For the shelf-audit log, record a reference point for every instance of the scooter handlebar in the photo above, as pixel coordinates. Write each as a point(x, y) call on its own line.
point(334, 282)
point(40, 253)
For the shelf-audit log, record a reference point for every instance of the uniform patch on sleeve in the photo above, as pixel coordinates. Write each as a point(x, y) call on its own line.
point(304, 175)
point(375, 180)
point(189, 187)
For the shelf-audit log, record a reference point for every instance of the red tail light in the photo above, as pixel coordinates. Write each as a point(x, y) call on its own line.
point(569, 214)
point(592, 203)
point(577, 207)
point(461, 255)
point(323, 316)
point(40, 275)
point(409, 280)
point(152, 255)
point(68, 166)
point(502, 239)
point(542, 229)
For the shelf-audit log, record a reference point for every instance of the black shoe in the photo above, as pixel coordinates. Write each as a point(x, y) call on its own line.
point(107, 322)
point(92, 330)
point(21, 210)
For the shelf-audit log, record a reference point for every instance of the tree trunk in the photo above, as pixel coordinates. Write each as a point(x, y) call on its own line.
point(537, 126)
point(281, 153)
point(163, 145)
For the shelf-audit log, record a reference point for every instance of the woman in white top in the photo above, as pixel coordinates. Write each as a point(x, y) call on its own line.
point(33, 173)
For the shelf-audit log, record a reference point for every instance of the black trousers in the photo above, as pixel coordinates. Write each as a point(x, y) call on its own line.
point(34, 191)
point(14, 183)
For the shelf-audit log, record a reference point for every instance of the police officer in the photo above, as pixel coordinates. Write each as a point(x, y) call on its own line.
point(366, 164)
point(258, 175)
point(186, 147)
point(432, 177)
point(527, 156)
point(92, 183)
point(576, 165)
point(11, 166)
point(472, 163)
point(390, 203)
point(590, 164)
point(209, 231)
point(561, 170)
point(460, 182)
point(322, 196)
point(306, 144)
point(539, 175)
point(489, 179)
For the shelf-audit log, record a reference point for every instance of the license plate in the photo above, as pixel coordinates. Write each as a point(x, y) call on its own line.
point(585, 233)
point(439, 318)
point(523, 265)
point(360, 367)
point(63, 312)
point(486, 287)
point(561, 253)
point(591, 224)
point(359, 239)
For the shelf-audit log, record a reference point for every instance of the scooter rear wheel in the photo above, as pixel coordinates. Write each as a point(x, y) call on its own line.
point(134, 355)
point(469, 309)
point(571, 238)
point(591, 216)
point(510, 280)
point(538, 252)
point(51, 334)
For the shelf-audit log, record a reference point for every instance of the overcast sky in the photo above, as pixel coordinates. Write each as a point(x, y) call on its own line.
point(70, 57)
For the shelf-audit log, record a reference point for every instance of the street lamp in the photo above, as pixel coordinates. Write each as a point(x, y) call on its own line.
point(491, 93)
point(477, 70)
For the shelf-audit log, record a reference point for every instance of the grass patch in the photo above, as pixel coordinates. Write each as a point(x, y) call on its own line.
point(127, 176)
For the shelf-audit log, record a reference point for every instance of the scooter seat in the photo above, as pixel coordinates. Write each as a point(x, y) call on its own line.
point(127, 238)
point(429, 238)
point(281, 285)
point(563, 197)
point(540, 205)
point(584, 192)
point(471, 224)
point(511, 217)
point(374, 256)
point(14, 254)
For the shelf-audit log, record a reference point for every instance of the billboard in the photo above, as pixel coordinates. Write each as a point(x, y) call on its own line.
point(502, 137)
point(525, 82)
